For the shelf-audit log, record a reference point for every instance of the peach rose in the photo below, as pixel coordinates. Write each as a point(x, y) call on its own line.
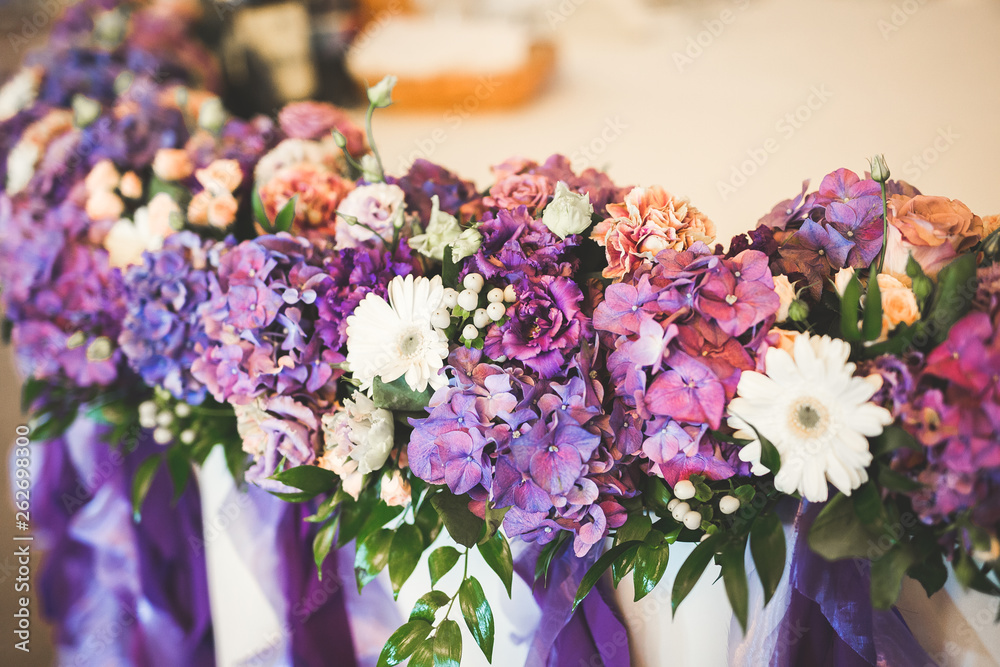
point(648, 221)
point(160, 210)
point(222, 210)
point(172, 164)
point(934, 230)
point(103, 177)
point(319, 190)
point(130, 186)
point(395, 490)
point(222, 176)
point(529, 190)
point(991, 223)
point(104, 205)
point(899, 304)
point(197, 212)
point(786, 292)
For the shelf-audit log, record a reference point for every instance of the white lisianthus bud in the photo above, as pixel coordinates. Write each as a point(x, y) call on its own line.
point(684, 489)
point(480, 318)
point(679, 511)
point(474, 282)
point(880, 170)
point(468, 300)
point(692, 520)
point(729, 504)
point(786, 293)
point(470, 332)
point(450, 299)
point(509, 294)
point(441, 318)
point(843, 279)
point(442, 230)
point(340, 139)
point(466, 244)
point(495, 295)
point(370, 170)
point(568, 213)
point(496, 311)
point(162, 436)
point(380, 95)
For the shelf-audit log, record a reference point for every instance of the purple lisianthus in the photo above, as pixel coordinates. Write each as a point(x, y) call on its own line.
point(162, 333)
point(544, 325)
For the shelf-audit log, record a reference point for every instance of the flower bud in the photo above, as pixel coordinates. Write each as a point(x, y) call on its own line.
point(162, 436)
point(474, 282)
point(509, 294)
point(684, 489)
point(212, 115)
point(495, 295)
point(729, 504)
point(380, 95)
point(165, 418)
point(680, 511)
point(674, 502)
point(798, 311)
point(692, 520)
point(880, 170)
point(441, 318)
point(182, 410)
point(187, 436)
point(470, 332)
point(468, 300)
point(339, 139)
point(450, 298)
point(481, 318)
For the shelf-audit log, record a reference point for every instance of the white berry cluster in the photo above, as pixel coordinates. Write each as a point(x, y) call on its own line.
point(682, 511)
point(466, 303)
point(165, 420)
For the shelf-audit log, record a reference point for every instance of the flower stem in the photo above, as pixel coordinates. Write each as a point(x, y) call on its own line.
point(885, 228)
point(371, 142)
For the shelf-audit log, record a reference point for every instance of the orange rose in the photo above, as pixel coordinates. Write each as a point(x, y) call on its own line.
point(172, 164)
point(198, 208)
point(130, 185)
point(899, 304)
point(103, 177)
point(934, 230)
point(222, 210)
point(222, 176)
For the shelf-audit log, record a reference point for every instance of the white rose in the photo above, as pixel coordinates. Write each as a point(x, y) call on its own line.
point(568, 213)
point(442, 230)
point(843, 279)
point(372, 433)
point(395, 490)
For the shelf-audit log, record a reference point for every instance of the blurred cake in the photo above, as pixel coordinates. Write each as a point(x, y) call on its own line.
point(452, 62)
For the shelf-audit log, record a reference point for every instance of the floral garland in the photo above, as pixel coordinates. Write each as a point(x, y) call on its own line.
point(557, 359)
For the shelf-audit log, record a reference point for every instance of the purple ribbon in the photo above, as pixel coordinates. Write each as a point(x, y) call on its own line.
point(117, 592)
point(830, 621)
point(593, 636)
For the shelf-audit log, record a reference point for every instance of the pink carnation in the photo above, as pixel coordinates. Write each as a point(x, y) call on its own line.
point(314, 120)
point(319, 191)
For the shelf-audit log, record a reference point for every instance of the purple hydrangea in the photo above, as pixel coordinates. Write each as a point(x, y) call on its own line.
point(682, 330)
point(426, 179)
point(540, 447)
point(260, 319)
point(162, 334)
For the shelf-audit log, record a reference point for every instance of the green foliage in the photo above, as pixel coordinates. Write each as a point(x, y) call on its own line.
point(441, 561)
point(478, 615)
point(404, 554)
point(463, 526)
point(496, 552)
point(398, 397)
point(767, 546)
point(650, 563)
point(850, 305)
point(691, 569)
point(141, 483)
point(372, 556)
point(404, 642)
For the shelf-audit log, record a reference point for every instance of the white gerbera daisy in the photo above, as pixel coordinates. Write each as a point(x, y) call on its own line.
point(396, 339)
point(817, 414)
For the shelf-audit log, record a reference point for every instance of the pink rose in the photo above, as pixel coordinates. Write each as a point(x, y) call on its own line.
point(529, 190)
point(935, 230)
point(315, 120)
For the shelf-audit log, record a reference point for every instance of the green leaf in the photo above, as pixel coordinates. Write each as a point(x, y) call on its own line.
point(650, 563)
point(449, 269)
point(893, 437)
point(424, 655)
point(308, 479)
point(894, 481)
point(448, 645)
point(921, 285)
point(429, 522)
point(838, 532)
point(463, 526)
point(955, 288)
point(143, 479)
point(427, 606)
point(769, 455)
point(624, 564)
point(548, 554)
point(52, 427)
point(850, 303)
point(599, 568)
point(767, 546)
point(398, 397)
point(691, 570)
point(372, 556)
point(871, 327)
point(32, 390)
point(322, 544)
point(868, 505)
point(441, 561)
point(636, 527)
point(286, 216)
point(657, 495)
point(478, 615)
point(887, 575)
point(494, 519)
point(403, 642)
point(259, 214)
point(930, 571)
point(496, 553)
point(324, 510)
point(404, 554)
point(734, 576)
point(179, 468)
